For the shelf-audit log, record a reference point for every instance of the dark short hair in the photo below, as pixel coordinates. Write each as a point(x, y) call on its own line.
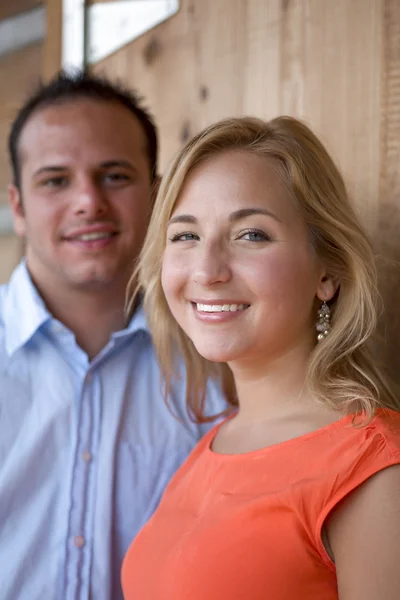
point(71, 85)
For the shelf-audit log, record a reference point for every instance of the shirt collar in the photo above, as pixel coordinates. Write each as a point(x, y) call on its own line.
point(24, 309)
point(25, 312)
point(137, 323)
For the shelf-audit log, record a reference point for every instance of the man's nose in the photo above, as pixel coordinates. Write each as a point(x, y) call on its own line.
point(90, 199)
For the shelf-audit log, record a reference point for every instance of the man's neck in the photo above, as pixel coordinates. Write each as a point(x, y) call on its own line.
point(92, 315)
point(94, 323)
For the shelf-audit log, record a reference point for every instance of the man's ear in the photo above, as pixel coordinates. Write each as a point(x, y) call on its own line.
point(17, 209)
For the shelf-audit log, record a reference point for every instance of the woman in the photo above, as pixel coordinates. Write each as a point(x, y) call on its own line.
point(256, 269)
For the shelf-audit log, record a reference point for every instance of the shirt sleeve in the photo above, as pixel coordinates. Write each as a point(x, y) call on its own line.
point(358, 457)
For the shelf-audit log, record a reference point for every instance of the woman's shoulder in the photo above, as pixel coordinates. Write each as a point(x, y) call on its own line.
point(354, 451)
point(368, 477)
point(386, 423)
point(376, 440)
point(358, 447)
point(356, 430)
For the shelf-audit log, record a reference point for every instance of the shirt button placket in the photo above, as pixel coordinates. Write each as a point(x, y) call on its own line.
point(81, 511)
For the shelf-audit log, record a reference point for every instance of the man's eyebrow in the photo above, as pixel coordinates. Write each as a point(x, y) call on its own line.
point(182, 219)
point(248, 212)
point(109, 164)
point(50, 169)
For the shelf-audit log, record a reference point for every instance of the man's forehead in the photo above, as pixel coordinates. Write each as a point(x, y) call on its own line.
point(69, 129)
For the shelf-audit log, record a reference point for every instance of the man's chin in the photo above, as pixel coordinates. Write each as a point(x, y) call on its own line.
point(94, 281)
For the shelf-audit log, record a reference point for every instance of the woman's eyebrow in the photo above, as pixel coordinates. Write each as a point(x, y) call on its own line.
point(235, 216)
point(182, 219)
point(248, 212)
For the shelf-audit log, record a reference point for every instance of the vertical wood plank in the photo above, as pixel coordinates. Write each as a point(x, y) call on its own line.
point(189, 68)
point(334, 64)
point(52, 52)
point(21, 70)
point(293, 59)
point(261, 86)
point(389, 217)
point(331, 78)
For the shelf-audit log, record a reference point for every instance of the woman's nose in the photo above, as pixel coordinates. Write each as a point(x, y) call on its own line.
point(211, 266)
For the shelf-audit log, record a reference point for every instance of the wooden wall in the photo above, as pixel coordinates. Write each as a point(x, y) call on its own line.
point(19, 73)
point(334, 63)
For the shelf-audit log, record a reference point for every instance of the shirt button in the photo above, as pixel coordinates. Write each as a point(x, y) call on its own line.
point(89, 377)
point(87, 456)
point(79, 541)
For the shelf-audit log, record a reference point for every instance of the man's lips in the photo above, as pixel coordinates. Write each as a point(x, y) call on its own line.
point(91, 233)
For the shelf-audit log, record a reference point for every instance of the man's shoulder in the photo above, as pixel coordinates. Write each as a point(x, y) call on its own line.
point(22, 311)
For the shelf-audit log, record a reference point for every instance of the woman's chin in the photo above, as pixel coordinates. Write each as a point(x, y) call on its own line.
point(217, 355)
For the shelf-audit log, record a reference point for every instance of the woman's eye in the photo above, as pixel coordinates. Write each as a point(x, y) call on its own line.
point(254, 235)
point(184, 237)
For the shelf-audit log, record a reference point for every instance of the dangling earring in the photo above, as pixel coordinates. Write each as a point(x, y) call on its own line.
point(323, 325)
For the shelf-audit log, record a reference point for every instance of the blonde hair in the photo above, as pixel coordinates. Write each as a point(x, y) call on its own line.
point(341, 370)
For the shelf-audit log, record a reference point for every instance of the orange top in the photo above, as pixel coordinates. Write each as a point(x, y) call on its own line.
point(249, 525)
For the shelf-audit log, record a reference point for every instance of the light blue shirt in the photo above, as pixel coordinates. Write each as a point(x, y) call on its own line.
point(86, 450)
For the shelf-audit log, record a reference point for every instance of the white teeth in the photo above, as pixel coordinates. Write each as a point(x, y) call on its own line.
point(88, 237)
point(213, 308)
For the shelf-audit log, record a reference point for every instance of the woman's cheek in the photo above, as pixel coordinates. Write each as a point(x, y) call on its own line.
point(174, 275)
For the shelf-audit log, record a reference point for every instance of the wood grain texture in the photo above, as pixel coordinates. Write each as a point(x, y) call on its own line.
point(334, 64)
point(189, 68)
point(10, 8)
point(19, 73)
point(52, 48)
point(21, 70)
point(331, 64)
point(11, 254)
point(320, 61)
point(389, 205)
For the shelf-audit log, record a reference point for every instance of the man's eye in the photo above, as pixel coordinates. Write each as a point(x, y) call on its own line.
point(54, 182)
point(254, 235)
point(116, 177)
point(184, 237)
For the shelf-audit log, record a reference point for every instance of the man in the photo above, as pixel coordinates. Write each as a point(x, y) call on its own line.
point(87, 443)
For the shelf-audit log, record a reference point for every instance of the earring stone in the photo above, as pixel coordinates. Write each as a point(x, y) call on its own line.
point(323, 326)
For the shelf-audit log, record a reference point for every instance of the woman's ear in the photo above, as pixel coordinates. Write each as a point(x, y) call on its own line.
point(327, 286)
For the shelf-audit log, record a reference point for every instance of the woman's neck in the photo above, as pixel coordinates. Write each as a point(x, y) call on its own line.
point(273, 387)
